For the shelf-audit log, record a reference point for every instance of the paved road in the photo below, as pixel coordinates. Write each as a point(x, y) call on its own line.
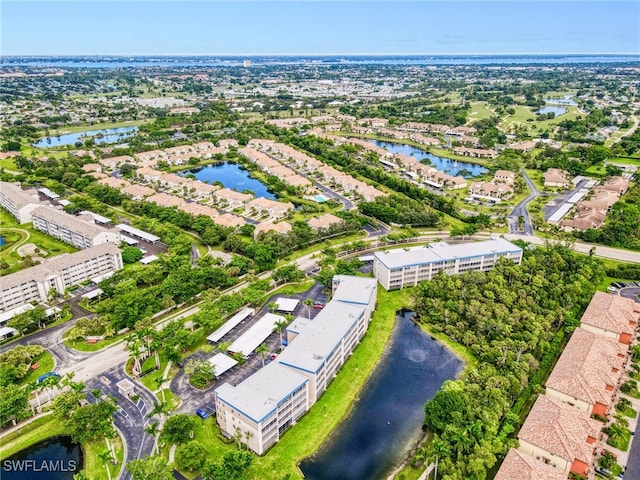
point(520, 210)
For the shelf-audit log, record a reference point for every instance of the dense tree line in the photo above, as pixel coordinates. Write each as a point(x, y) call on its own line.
point(622, 225)
point(400, 210)
point(513, 320)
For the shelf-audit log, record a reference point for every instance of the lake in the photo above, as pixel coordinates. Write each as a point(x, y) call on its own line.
point(446, 165)
point(56, 458)
point(233, 176)
point(109, 135)
point(387, 419)
point(566, 100)
point(552, 108)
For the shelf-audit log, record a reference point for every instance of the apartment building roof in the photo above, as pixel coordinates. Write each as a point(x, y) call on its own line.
point(399, 257)
point(586, 367)
point(259, 395)
point(520, 466)
point(17, 196)
point(82, 226)
point(114, 182)
point(555, 175)
point(196, 209)
point(58, 263)
point(229, 220)
point(561, 430)
point(356, 290)
point(166, 200)
point(612, 313)
point(281, 227)
point(262, 203)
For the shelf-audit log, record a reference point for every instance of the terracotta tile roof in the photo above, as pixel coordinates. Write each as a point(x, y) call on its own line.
point(561, 430)
point(138, 190)
point(282, 227)
point(324, 221)
point(585, 367)
point(520, 466)
point(612, 313)
point(229, 220)
point(196, 209)
point(114, 182)
point(165, 200)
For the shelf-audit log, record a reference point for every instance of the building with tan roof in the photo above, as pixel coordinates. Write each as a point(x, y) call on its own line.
point(97, 175)
point(18, 202)
point(524, 146)
point(113, 182)
point(92, 167)
point(620, 185)
point(196, 209)
point(612, 316)
point(113, 163)
point(324, 221)
point(560, 435)
point(166, 200)
point(504, 176)
point(475, 152)
point(231, 198)
point(584, 219)
point(490, 191)
point(588, 371)
point(272, 208)
point(229, 220)
point(150, 155)
point(280, 227)
point(520, 466)
point(555, 177)
point(421, 139)
point(138, 192)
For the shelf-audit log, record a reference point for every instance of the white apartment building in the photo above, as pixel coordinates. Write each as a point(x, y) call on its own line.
point(59, 273)
point(399, 268)
point(271, 400)
point(81, 232)
point(19, 203)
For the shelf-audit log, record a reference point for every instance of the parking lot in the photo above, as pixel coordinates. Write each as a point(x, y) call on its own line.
point(626, 289)
point(192, 399)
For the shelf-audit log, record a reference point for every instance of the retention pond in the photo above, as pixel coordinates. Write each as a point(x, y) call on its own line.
point(387, 419)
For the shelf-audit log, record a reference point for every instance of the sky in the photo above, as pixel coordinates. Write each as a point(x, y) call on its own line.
point(120, 27)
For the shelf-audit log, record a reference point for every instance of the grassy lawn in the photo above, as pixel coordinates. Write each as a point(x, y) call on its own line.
point(93, 466)
point(36, 431)
point(479, 111)
point(625, 160)
point(536, 177)
point(286, 290)
point(45, 364)
point(83, 346)
point(8, 163)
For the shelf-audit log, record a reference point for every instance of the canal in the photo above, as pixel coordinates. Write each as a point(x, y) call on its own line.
point(446, 165)
point(56, 458)
point(387, 419)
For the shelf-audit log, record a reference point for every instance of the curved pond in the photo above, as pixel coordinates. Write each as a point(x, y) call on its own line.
point(56, 458)
point(387, 420)
point(552, 109)
point(233, 176)
point(446, 165)
point(106, 135)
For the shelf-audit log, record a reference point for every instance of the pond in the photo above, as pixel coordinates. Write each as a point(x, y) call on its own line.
point(387, 420)
point(106, 135)
point(56, 458)
point(566, 100)
point(233, 176)
point(552, 108)
point(446, 165)
point(1, 240)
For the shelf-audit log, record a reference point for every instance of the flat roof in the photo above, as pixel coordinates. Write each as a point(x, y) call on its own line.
point(128, 240)
point(259, 395)
point(149, 259)
point(138, 233)
point(256, 334)
point(230, 324)
point(400, 257)
point(52, 311)
point(351, 289)
point(96, 217)
point(576, 197)
point(93, 294)
point(9, 314)
point(72, 223)
point(318, 338)
point(560, 213)
point(102, 277)
point(4, 331)
point(221, 363)
point(287, 304)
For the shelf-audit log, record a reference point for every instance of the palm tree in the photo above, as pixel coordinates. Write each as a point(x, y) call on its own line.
point(135, 347)
point(616, 432)
point(280, 326)
point(154, 430)
point(159, 381)
point(262, 350)
point(308, 303)
point(273, 306)
point(105, 456)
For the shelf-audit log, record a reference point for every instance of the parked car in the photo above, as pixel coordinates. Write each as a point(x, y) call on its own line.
point(318, 306)
point(202, 413)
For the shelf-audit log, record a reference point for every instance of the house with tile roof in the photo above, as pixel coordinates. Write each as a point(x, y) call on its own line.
point(520, 466)
point(612, 316)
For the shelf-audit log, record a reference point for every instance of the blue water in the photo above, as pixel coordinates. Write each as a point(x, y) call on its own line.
point(452, 167)
point(233, 176)
point(555, 109)
point(110, 135)
point(56, 458)
point(1, 240)
point(387, 419)
point(566, 100)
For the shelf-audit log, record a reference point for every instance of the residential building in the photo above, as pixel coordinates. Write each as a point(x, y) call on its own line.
point(166, 200)
point(263, 227)
point(555, 177)
point(399, 268)
point(475, 152)
point(138, 192)
point(504, 176)
point(612, 316)
point(196, 209)
point(324, 221)
point(59, 273)
point(270, 207)
point(620, 185)
point(262, 407)
point(81, 231)
point(18, 202)
point(560, 435)
point(520, 466)
point(113, 182)
point(231, 198)
point(491, 191)
point(229, 220)
point(588, 371)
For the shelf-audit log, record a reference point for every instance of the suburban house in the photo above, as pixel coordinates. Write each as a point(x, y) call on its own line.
point(231, 198)
point(619, 185)
point(555, 177)
point(166, 200)
point(560, 435)
point(229, 220)
point(587, 372)
point(520, 466)
point(612, 316)
point(324, 221)
point(195, 209)
point(475, 152)
point(263, 227)
point(113, 182)
point(490, 191)
point(270, 207)
point(138, 192)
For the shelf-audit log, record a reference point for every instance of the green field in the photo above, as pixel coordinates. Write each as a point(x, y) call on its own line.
point(480, 111)
point(45, 364)
point(524, 116)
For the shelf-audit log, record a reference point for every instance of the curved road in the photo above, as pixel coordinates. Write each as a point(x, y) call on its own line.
point(520, 210)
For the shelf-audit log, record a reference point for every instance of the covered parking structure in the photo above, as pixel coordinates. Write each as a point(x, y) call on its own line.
point(286, 304)
point(255, 335)
point(222, 363)
point(230, 324)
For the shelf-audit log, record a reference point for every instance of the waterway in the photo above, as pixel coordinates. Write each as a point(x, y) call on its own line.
point(106, 135)
point(447, 165)
point(566, 100)
point(233, 176)
point(56, 458)
point(552, 108)
point(387, 419)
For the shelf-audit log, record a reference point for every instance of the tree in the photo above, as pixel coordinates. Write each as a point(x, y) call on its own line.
point(14, 404)
point(233, 466)
point(178, 428)
point(280, 326)
point(150, 468)
point(262, 350)
point(202, 373)
point(105, 457)
point(308, 302)
point(153, 430)
point(191, 456)
point(131, 254)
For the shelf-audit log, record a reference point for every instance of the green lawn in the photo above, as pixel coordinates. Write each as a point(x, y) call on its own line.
point(480, 111)
point(36, 431)
point(93, 466)
point(45, 365)
point(9, 164)
point(83, 346)
point(625, 160)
